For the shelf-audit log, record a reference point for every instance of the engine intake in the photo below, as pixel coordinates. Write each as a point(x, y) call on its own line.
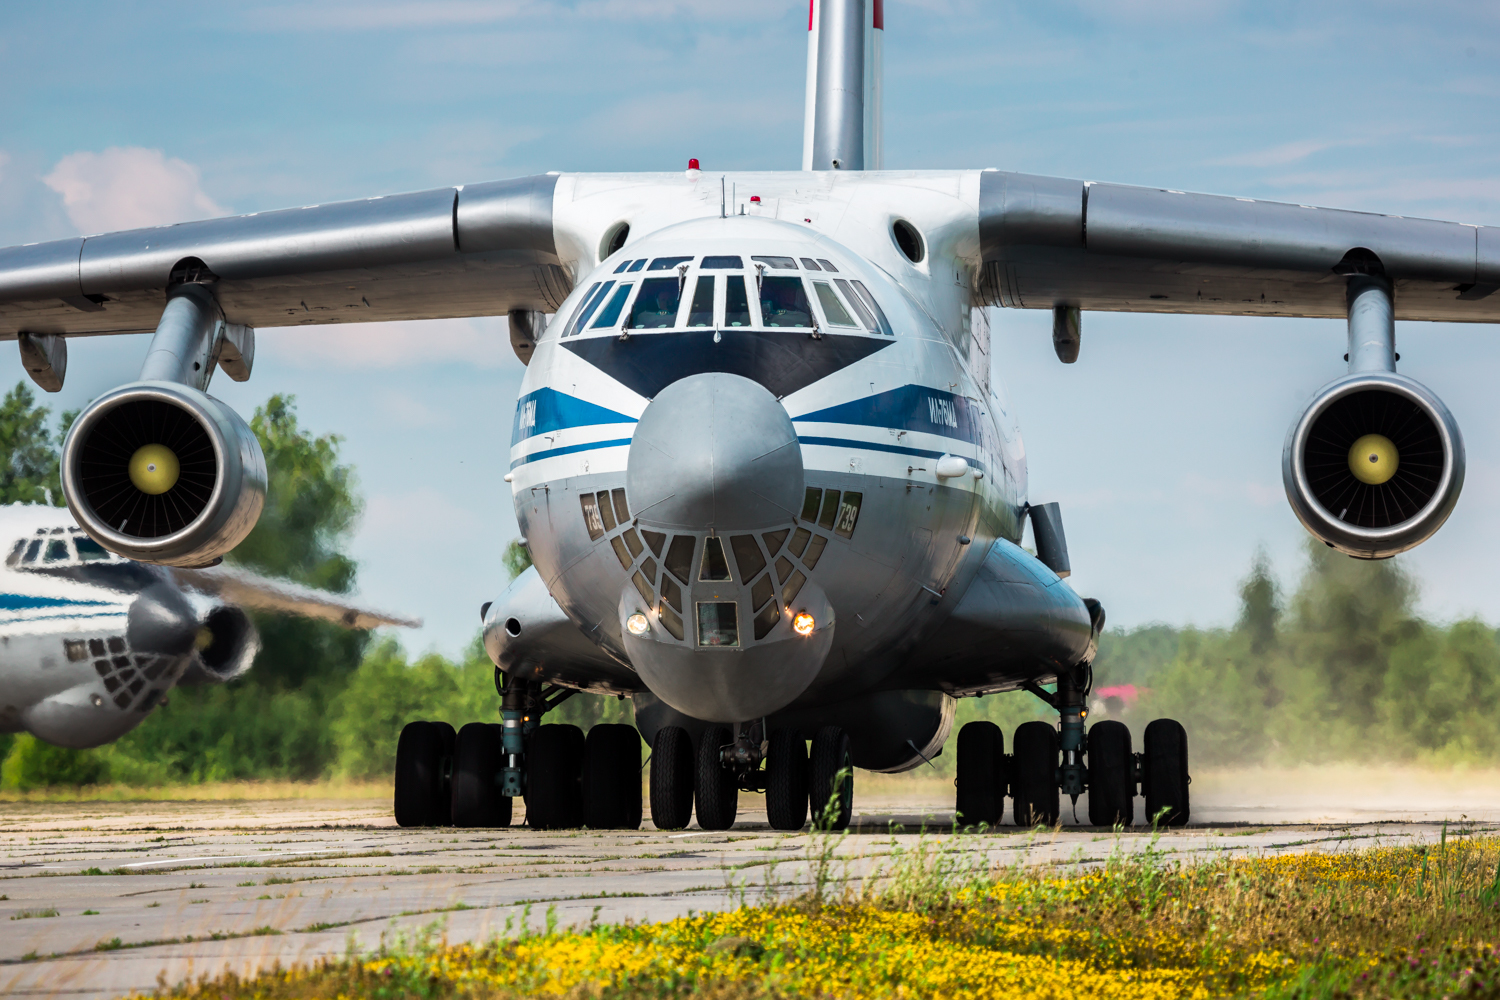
point(163, 473)
point(1374, 465)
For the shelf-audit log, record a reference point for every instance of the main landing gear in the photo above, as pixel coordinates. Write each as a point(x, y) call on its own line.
point(728, 761)
point(1049, 761)
point(472, 778)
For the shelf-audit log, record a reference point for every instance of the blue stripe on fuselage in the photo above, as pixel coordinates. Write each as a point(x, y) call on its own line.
point(911, 408)
point(549, 410)
point(27, 602)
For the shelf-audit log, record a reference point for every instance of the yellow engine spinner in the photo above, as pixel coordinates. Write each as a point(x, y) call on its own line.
point(154, 468)
point(1373, 459)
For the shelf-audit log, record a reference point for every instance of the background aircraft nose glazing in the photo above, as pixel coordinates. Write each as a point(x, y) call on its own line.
point(715, 451)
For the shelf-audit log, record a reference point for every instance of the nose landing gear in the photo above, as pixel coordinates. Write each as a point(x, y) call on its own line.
point(1049, 761)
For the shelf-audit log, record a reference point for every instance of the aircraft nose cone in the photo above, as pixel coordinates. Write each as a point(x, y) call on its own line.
point(715, 451)
point(161, 622)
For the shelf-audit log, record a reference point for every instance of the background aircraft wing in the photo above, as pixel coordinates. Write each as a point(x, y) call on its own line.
point(1047, 241)
point(250, 590)
point(479, 250)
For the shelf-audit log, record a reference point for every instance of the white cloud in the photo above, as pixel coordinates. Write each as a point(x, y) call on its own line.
point(483, 342)
point(129, 188)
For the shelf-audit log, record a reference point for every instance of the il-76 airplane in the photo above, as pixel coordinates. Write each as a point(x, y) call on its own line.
point(91, 643)
point(769, 487)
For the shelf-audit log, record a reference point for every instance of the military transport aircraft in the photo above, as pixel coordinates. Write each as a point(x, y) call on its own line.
point(769, 488)
point(90, 643)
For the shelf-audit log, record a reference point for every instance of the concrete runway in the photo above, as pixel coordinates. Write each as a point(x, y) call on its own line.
point(176, 890)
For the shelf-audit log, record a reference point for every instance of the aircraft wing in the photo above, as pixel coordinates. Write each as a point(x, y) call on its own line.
point(1048, 241)
point(261, 593)
point(479, 250)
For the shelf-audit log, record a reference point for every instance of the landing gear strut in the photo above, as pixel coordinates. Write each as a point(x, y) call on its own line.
point(1064, 760)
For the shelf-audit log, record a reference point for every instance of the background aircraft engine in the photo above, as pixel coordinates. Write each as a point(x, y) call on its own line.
point(162, 473)
point(1374, 465)
point(225, 648)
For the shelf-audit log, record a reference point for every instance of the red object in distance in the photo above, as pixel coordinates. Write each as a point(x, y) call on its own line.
point(693, 164)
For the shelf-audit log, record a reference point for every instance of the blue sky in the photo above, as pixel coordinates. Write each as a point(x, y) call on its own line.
point(1163, 443)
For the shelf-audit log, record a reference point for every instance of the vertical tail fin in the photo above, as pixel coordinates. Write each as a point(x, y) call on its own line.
point(842, 127)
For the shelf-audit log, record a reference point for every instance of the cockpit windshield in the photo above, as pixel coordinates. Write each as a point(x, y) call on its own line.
point(750, 299)
point(783, 302)
point(58, 548)
point(656, 305)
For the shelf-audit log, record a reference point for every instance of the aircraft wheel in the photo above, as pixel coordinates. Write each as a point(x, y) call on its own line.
point(786, 780)
point(1166, 773)
point(554, 778)
point(717, 790)
point(981, 775)
point(1111, 774)
point(831, 785)
point(1034, 794)
point(612, 778)
point(671, 778)
point(477, 758)
point(422, 756)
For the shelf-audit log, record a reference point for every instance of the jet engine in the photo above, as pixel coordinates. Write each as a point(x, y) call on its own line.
point(162, 473)
point(226, 647)
point(1374, 465)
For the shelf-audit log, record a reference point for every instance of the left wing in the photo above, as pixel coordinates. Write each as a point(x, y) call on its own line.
point(1049, 241)
point(251, 590)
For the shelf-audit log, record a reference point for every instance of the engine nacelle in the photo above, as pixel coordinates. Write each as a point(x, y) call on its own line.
point(1374, 465)
point(226, 648)
point(163, 473)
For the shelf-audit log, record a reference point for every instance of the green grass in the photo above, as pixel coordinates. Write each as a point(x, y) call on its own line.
point(30, 914)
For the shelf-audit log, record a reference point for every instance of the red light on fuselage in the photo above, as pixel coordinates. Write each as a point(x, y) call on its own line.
point(693, 164)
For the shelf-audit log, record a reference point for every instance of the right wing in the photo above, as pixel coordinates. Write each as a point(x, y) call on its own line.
point(1047, 241)
point(262, 593)
point(478, 250)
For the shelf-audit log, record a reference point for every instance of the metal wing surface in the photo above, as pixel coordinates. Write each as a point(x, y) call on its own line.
point(1048, 241)
point(479, 250)
point(251, 590)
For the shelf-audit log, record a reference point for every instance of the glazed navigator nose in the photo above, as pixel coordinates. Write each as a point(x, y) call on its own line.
point(715, 451)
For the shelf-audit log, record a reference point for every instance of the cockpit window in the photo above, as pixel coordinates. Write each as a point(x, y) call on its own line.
point(32, 551)
point(57, 551)
point(590, 303)
point(610, 314)
point(90, 550)
point(736, 302)
point(865, 316)
point(666, 263)
point(780, 263)
point(15, 553)
point(783, 302)
point(702, 311)
point(864, 293)
point(656, 307)
point(722, 263)
point(638, 265)
point(810, 264)
point(833, 309)
point(623, 265)
point(826, 265)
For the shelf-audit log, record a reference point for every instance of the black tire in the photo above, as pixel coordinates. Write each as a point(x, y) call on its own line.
point(1033, 781)
point(786, 780)
point(717, 791)
point(1111, 775)
point(672, 766)
point(981, 775)
point(612, 778)
point(1166, 773)
point(554, 778)
point(419, 775)
point(478, 756)
point(831, 759)
point(449, 738)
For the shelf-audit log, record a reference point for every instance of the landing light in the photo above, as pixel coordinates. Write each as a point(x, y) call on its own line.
point(803, 623)
point(638, 624)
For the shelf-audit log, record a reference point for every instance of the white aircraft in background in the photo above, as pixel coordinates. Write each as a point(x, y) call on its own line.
point(90, 643)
